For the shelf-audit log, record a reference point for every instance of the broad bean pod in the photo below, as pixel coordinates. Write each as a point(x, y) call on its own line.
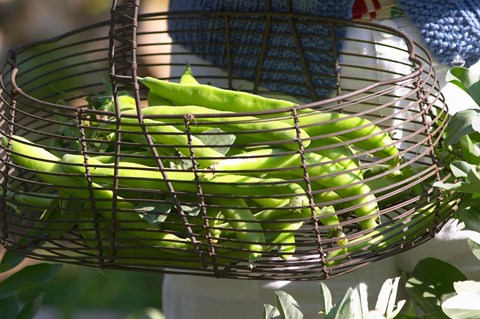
point(249, 129)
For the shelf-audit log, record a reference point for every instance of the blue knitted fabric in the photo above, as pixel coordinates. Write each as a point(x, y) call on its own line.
point(283, 67)
point(450, 28)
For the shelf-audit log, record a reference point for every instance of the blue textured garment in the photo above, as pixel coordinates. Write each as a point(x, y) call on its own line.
point(285, 66)
point(450, 28)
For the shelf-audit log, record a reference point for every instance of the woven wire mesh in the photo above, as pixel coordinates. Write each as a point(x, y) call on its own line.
point(147, 216)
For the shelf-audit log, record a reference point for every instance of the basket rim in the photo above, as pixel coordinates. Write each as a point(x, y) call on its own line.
point(418, 64)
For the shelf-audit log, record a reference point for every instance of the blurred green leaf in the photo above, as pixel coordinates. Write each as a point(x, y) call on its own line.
point(326, 303)
point(10, 260)
point(30, 291)
point(148, 313)
point(470, 150)
point(9, 308)
point(467, 80)
point(30, 309)
point(43, 272)
point(270, 312)
point(287, 306)
point(462, 123)
point(465, 304)
point(431, 282)
point(344, 308)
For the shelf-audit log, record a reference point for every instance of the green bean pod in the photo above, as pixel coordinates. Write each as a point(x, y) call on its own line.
point(50, 169)
point(213, 97)
point(187, 77)
point(341, 154)
point(171, 136)
point(247, 229)
point(325, 174)
point(361, 132)
point(129, 175)
point(248, 129)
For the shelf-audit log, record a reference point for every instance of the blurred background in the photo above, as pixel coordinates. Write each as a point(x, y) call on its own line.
point(80, 292)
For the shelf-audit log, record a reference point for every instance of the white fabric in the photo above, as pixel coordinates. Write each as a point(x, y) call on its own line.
point(187, 297)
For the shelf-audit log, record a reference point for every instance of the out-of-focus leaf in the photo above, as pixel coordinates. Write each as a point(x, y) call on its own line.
point(470, 214)
point(270, 312)
point(387, 298)
point(360, 301)
point(470, 150)
point(287, 306)
point(431, 282)
point(30, 309)
point(326, 303)
point(462, 123)
point(467, 80)
point(10, 260)
point(148, 313)
point(43, 272)
point(30, 291)
point(9, 308)
point(344, 308)
point(465, 305)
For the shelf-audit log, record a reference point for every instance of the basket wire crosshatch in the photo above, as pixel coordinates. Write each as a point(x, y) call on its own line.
point(144, 217)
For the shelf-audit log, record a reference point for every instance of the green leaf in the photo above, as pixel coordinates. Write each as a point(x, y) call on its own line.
point(43, 272)
point(61, 216)
point(30, 309)
point(287, 306)
point(465, 305)
point(431, 282)
point(467, 286)
point(359, 301)
point(10, 260)
point(270, 312)
point(469, 215)
point(326, 303)
point(217, 137)
point(470, 175)
point(467, 80)
point(462, 123)
point(386, 302)
point(9, 307)
point(154, 213)
point(434, 315)
point(474, 246)
point(470, 150)
point(30, 291)
point(344, 308)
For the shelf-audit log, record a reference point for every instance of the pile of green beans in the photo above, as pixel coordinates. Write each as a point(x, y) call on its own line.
point(196, 174)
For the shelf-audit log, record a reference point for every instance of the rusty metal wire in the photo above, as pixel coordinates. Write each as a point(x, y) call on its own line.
point(146, 218)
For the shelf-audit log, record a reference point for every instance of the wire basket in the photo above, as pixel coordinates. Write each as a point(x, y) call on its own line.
point(190, 193)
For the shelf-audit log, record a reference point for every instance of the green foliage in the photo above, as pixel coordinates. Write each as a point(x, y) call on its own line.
point(21, 293)
point(353, 304)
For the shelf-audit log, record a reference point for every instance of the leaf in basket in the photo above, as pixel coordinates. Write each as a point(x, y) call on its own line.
point(467, 80)
point(60, 217)
point(190, 210)
point(154, 213)
point(461, 124)
point(216, 136)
